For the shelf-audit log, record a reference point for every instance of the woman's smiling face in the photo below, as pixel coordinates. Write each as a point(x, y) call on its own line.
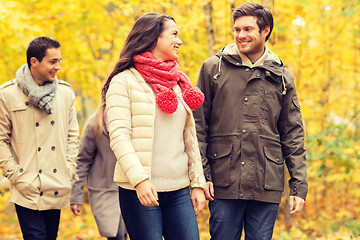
point(168, 43)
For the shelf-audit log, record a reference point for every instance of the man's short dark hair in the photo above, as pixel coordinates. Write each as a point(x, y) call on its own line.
point(37, 48)
point(263, 15)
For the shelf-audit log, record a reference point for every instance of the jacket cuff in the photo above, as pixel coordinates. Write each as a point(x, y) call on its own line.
point(299, 191)
point(198, 183)
point(138, 180)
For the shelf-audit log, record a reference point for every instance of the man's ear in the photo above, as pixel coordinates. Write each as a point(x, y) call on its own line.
point(267, 30)
point(34, 61)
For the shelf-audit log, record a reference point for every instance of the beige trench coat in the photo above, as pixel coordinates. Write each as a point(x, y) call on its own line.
point(38, 151)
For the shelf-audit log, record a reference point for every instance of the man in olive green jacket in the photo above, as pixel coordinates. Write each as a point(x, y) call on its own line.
point(248, 126)
point(39, 140)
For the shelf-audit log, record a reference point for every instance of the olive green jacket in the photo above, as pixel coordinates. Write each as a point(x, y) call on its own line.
point(248, 126)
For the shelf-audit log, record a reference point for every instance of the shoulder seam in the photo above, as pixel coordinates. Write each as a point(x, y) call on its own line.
point(8, 83)
point(64, 83)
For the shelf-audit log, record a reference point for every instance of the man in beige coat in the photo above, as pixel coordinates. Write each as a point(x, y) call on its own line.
point(39, 140)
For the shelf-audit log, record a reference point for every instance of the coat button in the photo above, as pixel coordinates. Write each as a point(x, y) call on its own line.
point(40, 171)
point(246, 99)
point(39, 149)
point(21, 170)
point(41, 193)
point(215, 154)
point(27, 103)
point(53, 148)
point(52, 122)
point(243, 163)
point(37, 124)
point(56, 193)
point(54, 171)
point(244, 131)
point(241, 195)
point(247, 69)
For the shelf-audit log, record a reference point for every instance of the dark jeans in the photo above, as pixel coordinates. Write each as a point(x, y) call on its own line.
point(228, 217)
point(174, 218)
point(38, 225)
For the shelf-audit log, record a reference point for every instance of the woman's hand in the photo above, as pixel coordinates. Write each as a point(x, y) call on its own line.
point(76, 209)
point(147, 193)
point(198, 199)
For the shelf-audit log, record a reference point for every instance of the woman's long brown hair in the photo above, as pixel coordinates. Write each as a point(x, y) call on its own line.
point(142, 37)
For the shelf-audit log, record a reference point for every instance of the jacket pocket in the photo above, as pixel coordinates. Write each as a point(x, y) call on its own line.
point(219, 156)
point(20, 118)
point(28, 186)
point(274, 168)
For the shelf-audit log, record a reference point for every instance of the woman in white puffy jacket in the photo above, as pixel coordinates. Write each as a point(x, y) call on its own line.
point(149, 104)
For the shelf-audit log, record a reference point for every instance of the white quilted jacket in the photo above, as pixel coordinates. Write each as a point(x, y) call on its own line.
point(130, 105)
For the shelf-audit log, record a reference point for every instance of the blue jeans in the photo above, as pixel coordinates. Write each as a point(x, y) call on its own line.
point(38, 225)
point(228, 217)
point(174, 218)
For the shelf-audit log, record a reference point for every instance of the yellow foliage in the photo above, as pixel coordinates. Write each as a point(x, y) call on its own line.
point(317, 40)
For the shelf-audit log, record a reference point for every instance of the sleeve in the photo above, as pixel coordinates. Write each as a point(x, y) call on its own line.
point(196, 173)
point(8, 164)
point(202, 118)
point(85, 159)
point(291, 131)
point(119, 116)
point(73, 138)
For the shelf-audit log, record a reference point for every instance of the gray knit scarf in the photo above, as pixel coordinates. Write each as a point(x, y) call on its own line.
point(39, 96)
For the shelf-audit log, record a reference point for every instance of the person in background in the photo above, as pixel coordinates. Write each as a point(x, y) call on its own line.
point(249, 125)
point(152, 133)
point(39, 138)
point(96, 164)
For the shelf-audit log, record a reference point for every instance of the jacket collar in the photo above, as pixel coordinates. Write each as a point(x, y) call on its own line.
point(268, 60)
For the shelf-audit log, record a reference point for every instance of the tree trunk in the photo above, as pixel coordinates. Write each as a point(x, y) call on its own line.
point(270, 4)
point(209, 27)
point(267, 3)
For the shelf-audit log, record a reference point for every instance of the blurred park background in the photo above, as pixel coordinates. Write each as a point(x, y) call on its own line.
point(318, 40)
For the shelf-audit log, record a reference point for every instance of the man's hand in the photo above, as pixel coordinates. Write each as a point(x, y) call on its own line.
point(209, 192)
point(296, 204)
point(147, 193)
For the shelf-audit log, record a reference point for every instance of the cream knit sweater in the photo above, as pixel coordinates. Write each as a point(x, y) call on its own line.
point(169, 161)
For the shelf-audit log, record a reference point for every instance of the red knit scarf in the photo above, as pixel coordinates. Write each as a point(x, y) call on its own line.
point(162, 76)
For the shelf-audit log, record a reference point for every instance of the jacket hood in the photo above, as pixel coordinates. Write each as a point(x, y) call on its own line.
point(272, 62)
